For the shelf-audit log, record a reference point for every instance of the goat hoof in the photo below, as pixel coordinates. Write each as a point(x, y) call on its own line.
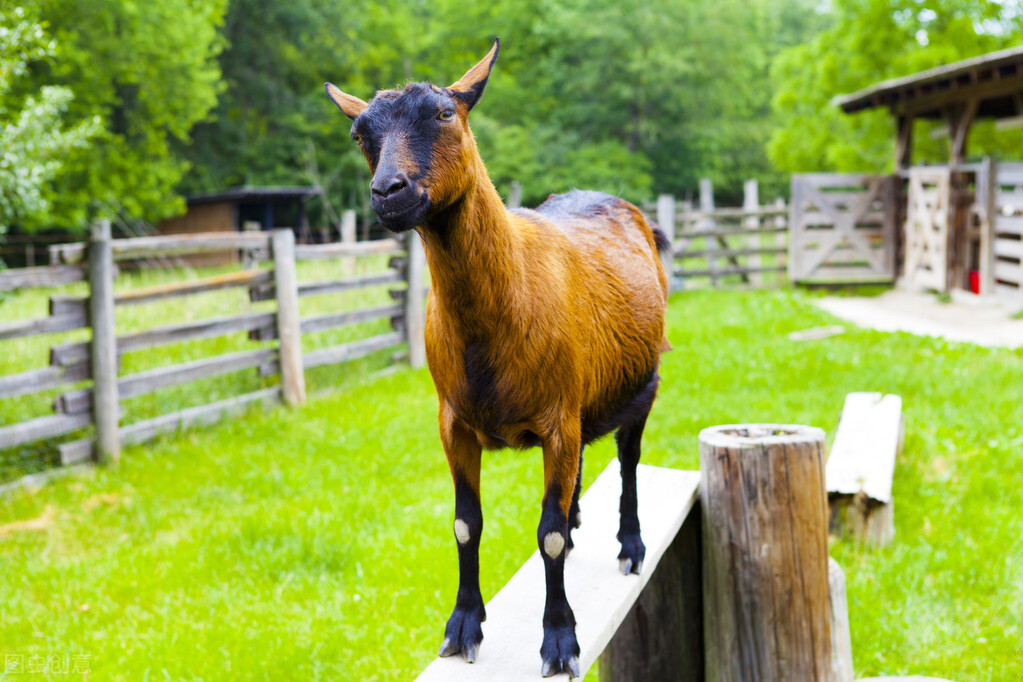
point(630, 559)
point(560, 651)
point(463, 634)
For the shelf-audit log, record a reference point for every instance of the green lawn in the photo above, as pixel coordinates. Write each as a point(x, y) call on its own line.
point(316, 543)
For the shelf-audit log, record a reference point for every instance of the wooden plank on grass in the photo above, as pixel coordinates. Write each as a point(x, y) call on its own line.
point(599, 594)
point(351, 351)
point(862, 464)
point(74, 402)
point(144, 431)
point(36, 380)
point(43, 427)
point(44, 276)
point(337, 250)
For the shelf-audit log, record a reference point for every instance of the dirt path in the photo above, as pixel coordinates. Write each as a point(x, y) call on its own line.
point(963, 319)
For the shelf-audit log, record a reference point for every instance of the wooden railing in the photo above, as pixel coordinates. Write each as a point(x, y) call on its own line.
point(97, 361)
point(714, 247)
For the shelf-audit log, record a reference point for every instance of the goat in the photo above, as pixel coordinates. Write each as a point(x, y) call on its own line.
point(543, 327)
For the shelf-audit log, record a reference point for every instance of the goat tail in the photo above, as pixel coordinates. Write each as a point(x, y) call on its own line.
point(661, 240)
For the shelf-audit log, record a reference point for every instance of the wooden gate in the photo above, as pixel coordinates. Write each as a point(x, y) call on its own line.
point(927, 228)
point(842, 228)
point(1001, 198)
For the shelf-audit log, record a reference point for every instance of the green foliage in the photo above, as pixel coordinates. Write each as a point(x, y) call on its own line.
point(316, 543)
point(147, 70)
point(869, 41)
point(33, 140)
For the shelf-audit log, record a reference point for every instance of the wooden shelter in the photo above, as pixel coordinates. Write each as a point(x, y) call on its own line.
point(962, 222)
point(231, 209)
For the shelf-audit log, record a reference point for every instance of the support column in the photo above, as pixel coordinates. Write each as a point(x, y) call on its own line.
point(103, 349)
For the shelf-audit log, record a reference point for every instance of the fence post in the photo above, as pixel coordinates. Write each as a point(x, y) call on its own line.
point(249, 260)
point(515, 195)
point(666, 221)
point(415, 309)
point(103, 349)
point(348, 237)
point(765, 553)
point(751, 203)
point(707, 224)
point(288, 320)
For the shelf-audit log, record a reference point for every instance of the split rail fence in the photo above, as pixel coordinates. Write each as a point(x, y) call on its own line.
point(717, 248)
point(98, 404)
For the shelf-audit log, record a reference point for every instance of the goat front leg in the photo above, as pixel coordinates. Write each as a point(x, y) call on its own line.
point(463, 633)
point(560, 648)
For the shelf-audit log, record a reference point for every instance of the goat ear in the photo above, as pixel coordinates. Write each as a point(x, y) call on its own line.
point(469, 88)
point(352, 106)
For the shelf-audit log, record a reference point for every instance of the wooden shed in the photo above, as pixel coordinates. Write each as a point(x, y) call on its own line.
point(229, 210)
point(959, 225)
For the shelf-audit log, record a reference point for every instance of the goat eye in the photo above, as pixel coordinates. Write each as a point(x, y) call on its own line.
point(357, 139)
point(446, 115)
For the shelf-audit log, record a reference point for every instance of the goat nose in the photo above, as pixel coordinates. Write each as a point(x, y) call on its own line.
point(388, 185)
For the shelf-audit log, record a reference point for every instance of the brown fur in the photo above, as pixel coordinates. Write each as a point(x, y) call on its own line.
point(570, 315)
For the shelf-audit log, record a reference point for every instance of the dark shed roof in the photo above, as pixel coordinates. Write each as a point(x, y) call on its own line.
point(994, 79)
point(247, 193)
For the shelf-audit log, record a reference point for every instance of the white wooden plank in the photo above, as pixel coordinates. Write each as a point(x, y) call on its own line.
point(1008, 248)
point(868, 438)
point(1009, 272)
point(600, 596)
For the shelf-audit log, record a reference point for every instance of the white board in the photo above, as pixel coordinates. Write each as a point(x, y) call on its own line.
point(868, 438)
point(599, 594)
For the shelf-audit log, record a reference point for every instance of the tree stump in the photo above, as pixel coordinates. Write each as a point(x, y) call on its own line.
point(765, 553)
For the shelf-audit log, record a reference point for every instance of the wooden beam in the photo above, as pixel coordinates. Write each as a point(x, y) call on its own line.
point(903, 142)
point(288, 318)
point(600, 595)
point(44, 276)
point(337, 250)
point(167, 245)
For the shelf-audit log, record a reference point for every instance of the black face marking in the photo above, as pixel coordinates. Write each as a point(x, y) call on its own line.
point(398, 132)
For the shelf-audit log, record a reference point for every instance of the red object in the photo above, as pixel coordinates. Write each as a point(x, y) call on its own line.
point(974, 281)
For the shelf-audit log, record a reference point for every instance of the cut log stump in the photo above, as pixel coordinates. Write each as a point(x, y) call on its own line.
point(861, 467)
point(765, 554)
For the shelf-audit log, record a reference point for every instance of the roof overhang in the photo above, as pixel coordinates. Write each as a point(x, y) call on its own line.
point(247, 194)
point(995, 80)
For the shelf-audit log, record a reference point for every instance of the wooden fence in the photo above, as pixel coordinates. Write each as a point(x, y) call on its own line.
point(97, 360)
point(715, 247)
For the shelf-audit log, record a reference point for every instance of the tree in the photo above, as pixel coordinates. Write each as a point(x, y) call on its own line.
point(148, 71)
point(872, 40)
point(33, 140)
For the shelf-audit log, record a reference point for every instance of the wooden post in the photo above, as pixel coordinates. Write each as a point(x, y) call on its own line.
point(666, 221)
point(986, 184)
point(103, 349)
point(249, 260)
point(765, 553)
point(348, 237)
point(515, 194)
point(708, 224)
point(781, 238)
point(662, 636)
point(841, 641)
point(288, 317)
point(415, 306)
point(751, 203)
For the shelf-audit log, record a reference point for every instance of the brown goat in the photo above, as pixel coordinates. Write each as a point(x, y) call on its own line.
point(543, 328)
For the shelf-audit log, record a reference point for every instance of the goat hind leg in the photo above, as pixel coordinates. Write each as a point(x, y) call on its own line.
point(574, 519)
point(630, 559)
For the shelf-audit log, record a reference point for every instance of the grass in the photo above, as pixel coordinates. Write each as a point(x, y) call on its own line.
point(316, 543)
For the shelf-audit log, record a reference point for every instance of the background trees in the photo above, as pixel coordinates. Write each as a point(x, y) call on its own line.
point(630, 97)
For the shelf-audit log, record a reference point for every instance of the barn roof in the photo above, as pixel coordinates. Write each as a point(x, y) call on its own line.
point(994, 79)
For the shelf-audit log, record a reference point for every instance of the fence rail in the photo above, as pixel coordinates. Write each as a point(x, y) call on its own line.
point(98, 361)
point(725, 247)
